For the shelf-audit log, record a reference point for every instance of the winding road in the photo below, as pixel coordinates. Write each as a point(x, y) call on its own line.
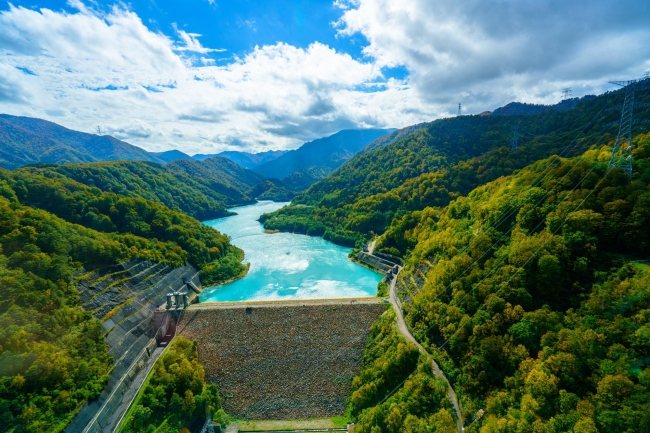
point(406, 333)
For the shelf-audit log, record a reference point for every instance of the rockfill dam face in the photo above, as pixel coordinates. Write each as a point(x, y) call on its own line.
point(279, 361)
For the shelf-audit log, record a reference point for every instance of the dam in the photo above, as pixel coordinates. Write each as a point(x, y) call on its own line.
point(285, 341)
point(282, 360)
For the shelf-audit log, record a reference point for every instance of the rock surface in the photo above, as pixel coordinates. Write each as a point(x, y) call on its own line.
point(285, 362)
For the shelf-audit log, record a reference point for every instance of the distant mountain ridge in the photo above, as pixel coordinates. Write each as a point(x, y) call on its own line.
point(320, 157)
point(171, 155)
point(391, 138)
point(245, 159)
point(27, 140)
point(523, 108)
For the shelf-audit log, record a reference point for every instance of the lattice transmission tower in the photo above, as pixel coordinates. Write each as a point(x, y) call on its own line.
point(515, 138)
point(459, 108)
point(622, 152)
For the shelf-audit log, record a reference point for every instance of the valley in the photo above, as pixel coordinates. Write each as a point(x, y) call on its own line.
point(441, 278)
point(285, 266)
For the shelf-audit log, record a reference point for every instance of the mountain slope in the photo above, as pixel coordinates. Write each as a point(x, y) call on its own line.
point(537, 316)
point(433, 165)
point(219, 174)
point(26, 140)
point(323, 155)
point(272, 189)
point(171, 155)
point(149, 181)
point(53, 230)
point(245, 159)
point(391, 138)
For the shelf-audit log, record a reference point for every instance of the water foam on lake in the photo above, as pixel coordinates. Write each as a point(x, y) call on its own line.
point(287, 266)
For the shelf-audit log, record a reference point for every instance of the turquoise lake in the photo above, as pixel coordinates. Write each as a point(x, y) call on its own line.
point(287, 266)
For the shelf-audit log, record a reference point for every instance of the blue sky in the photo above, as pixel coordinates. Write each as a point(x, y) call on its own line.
point(236, 26)
point(204, 76)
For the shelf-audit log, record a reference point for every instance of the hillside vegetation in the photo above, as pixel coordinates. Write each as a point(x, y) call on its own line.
point(145, 180)
point(438, 162)
point(52, 352)
point(220, 175)
point(26, 140)
point(527, 293)
point(176, 395)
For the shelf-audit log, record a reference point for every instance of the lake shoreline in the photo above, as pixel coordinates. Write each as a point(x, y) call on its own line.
point(286, 265)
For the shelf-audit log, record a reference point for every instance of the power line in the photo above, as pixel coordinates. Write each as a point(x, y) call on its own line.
point(498, 265)
point(515, 138)
point(622, 151)
point(538, 249)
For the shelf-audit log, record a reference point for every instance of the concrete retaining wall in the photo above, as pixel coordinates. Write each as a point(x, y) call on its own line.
point(129, 294)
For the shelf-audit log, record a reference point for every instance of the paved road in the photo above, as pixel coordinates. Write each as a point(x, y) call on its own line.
point(132, 391)
point(284, 303)
point(406, 333)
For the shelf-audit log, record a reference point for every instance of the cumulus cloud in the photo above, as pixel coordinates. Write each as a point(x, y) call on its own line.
point(109, 69)
point(486, 53)
point(158, 91)
point(191, 43)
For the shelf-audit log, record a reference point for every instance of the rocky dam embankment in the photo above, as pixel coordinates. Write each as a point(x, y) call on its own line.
point(284, 362)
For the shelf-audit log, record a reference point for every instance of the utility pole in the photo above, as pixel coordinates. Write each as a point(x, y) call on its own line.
point(515, 138)
point(459, 108)
point(622, 151)
point(566, 93)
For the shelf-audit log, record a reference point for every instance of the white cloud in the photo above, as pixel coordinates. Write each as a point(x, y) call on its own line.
point(92, 68)
point(191, 43)
point(111, 70)
point(486, 53)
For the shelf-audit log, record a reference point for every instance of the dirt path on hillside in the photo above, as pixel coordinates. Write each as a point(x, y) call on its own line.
point(371, 247)
point(406, 333)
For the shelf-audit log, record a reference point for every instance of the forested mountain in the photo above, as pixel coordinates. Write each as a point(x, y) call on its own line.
point(220, 175)
point(246, 159)
point(150, 181)
point(391, 138)
point(526, 275)
point(320, 157)
point(435, 164)
point(532, 293)
point(171, 155)
point(272, 189)
point(26, 140)
point(52, 352)
point(521, 108)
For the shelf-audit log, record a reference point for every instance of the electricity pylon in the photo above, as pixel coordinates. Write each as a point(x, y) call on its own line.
point(515, 138)
point(622, 152)
point(459, 108)
point(566, 93)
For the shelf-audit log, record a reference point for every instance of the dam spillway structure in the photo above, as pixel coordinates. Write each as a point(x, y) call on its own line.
point(129, 299)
